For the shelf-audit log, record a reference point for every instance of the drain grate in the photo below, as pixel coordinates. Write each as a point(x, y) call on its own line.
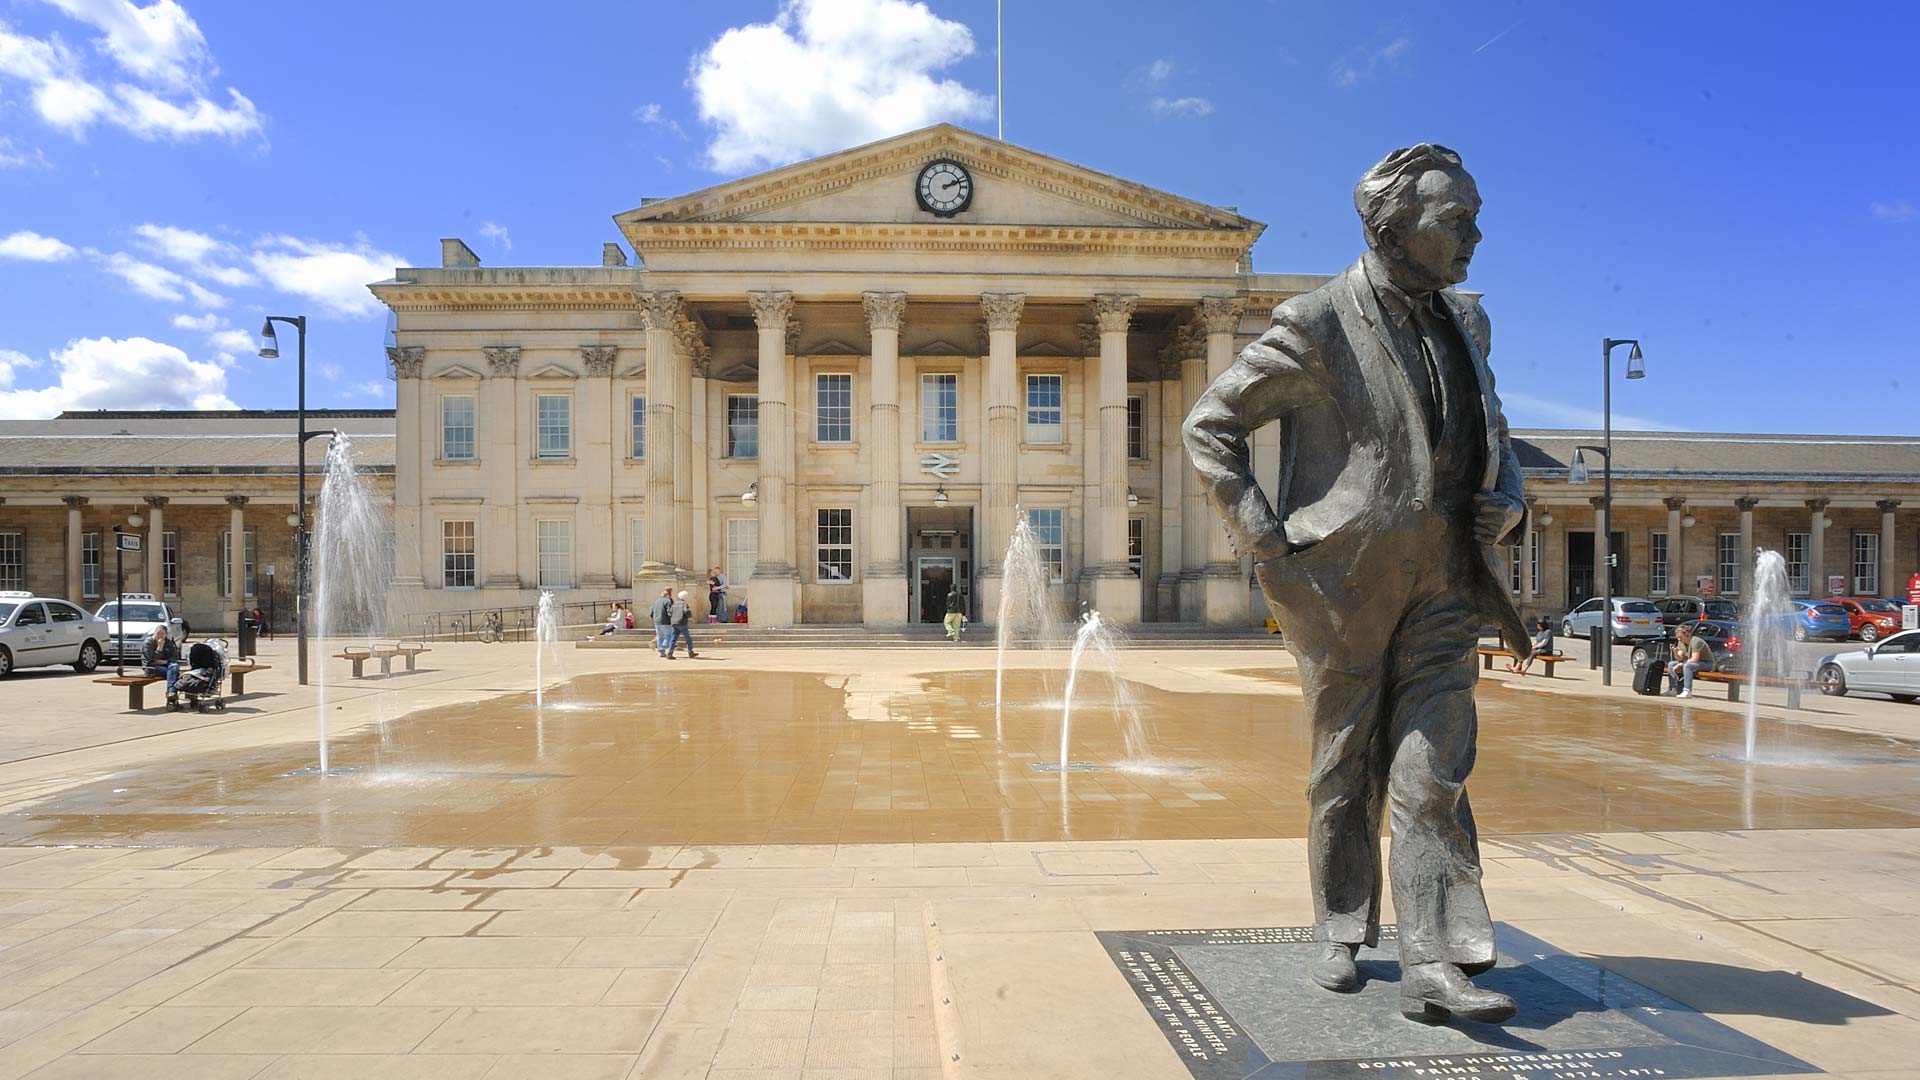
point(1071, 766)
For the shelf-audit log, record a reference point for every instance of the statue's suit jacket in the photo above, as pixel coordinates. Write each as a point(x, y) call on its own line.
point(1355, 463)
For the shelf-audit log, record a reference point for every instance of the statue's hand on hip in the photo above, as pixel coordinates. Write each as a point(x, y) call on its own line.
point(1495, 513)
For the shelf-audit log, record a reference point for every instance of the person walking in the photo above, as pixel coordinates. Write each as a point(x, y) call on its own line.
point(160, 655)
point(681, 630)
point(956, 614)
point(1690, 654)
point(662, 612)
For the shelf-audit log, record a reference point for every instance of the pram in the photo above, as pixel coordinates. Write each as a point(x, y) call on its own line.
point(204, 678)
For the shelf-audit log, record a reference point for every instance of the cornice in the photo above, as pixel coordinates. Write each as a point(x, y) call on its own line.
point(422, 298)
point(929, 237)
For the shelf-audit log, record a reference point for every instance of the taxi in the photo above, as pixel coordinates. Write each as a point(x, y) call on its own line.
point(144, 612)
point(40, 631)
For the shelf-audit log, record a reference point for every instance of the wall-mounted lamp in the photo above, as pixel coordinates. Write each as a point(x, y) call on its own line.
point(1686, 521)
point(1547, 518)
point(1132, 499)
point(136, 520)
point(293, 521)
point(751, 495)
point(940, 495)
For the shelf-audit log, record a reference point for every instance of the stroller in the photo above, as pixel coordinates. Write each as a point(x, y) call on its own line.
point(200, 685)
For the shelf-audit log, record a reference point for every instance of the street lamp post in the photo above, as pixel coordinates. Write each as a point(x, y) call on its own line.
point(270, 349)
point(1636, 369)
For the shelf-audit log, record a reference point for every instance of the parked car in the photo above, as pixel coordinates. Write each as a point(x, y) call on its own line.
point(144, 612)
point(1721, 635)
point(1679, 609)
point(39, 631)
point(1890, 666)
point(1632, 618)
point(1871, 619)
point(1820, 619)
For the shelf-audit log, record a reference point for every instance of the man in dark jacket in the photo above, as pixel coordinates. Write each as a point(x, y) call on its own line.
point(681, 630)
point(160, 655)
point(1380, 559)
point(662, 613)
point(956, 614)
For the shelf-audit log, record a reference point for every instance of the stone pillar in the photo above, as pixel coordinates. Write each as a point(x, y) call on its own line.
point(775, 585)
point(156, 545)
point(1000, 482)
point(1746, 503)
point(498, 549)
point(1173, 471)
point(74, 544)
point(884, 585)
point(409, 450)
point(237, 555)
point(596, 466)
point(1088, 443)
point(658, 313)
point(1527, 591)
point(1817, 548)
point(1602, 544)
point(1116, 591)
point(1676, 583)
point(700, 461)
point(1891, 584)
point(688, 346)
point(1191, 345)
point(1225, 596)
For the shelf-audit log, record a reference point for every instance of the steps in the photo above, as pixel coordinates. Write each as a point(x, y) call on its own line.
point(735, 635)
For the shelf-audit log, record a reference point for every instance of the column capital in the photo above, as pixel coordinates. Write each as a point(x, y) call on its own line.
point(792, 341)
point(1219, 314)
point(659, 309)
point(598, 359)
point(156, 500)
point(701, 357)
point(982, 341)
point(1599, 501)
point(687, 336)
point(407, 360)
point(885, 310)
point(1888, 506)
point(1002, 309)
point(74, 502)
point(1746, 503)
point(1817, 505)
point(1089, 338)
point(503, 361)
point(1114, 311)
point(1676, 502)
point(237, 501)
point(1169, 364)
point(772, 309)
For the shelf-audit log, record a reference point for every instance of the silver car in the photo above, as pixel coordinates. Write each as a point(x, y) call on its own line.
point(1890, 666)
point(143, 613)
point(37, 631)
point(1632, 618)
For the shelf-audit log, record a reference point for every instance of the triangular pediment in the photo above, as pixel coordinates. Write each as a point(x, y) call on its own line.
point(937, 347)
point(1046, 348)
point(552, 371)
point(456, 371)
point(831, 347)
point(874, 185)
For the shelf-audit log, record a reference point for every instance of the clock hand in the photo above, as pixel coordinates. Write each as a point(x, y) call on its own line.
point(948, 186)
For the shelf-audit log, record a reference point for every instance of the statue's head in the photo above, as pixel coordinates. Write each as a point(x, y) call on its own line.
point(1418, 207)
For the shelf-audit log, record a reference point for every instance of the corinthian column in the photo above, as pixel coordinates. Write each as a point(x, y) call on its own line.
point(1190, 344)
point(1890, 583)
point(771, 592)
point(596, 465)
point(237, 554)
point(689, 349)
point(75, 543)
point(156, 545)
point(1817, 549)
point(1116, 591)
point(1226, 598)
point(884, 587)
point(1000, 479)
point(502, 456)
point(659, 311)
point(408, 414)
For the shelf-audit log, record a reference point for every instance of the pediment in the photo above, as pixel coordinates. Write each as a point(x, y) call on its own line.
point(937, 347)
point(832, 347)
point(456, 371)
point(552, 371)
point(1046, 348)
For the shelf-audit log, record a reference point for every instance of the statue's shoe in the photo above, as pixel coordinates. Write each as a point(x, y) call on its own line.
point(1335, 970)
point(1428, 992)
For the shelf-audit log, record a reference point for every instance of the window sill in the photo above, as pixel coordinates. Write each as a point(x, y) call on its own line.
point(955, 446)
point(834, 446)
point(1045, 447)
point(554, 461)
point(456, 463)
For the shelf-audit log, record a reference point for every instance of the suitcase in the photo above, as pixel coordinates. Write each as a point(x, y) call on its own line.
point(1647, 678)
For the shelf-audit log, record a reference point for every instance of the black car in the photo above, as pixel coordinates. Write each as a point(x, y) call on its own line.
point(1721, 635)
point(1684, 609)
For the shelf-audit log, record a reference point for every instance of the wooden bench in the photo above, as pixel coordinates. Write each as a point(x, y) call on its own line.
point(137, 684)
point(360, 654)
point(1736, 680)
point(1487, 653)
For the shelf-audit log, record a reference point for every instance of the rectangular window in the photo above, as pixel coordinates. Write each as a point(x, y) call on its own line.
point(833, 407)
point(834, 545)
point(221, 561)
point(1799, 563)
point(637, 446)
point(456, 427)
point(1137, 545)
point(457, 554)
point(1513, 568)
point(940, 408)
point(90, 565)
point(1533, 571)
point(1729, 568)
point(170, 563)
point(1866, 564)
point(743, 553)
point(1657, 562)
point(743, 425)
point(555, 549)
point(1136, 429)
point(636, 547)
point(1044, 409)
point(553, 426)
point(1050, 540)
point(13, 561)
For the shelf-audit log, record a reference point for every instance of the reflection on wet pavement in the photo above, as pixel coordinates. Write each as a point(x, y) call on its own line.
point(773, 757)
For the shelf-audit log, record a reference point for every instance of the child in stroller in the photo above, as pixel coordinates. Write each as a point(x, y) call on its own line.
point(200, 684)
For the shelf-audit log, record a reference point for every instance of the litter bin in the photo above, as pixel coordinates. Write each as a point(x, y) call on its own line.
point(245, 638)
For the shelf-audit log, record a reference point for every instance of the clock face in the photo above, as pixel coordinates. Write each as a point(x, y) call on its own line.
point(944, 188)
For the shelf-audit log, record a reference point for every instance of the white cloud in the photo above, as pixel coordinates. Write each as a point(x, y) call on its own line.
point(497, 233)
point(650, 115)
point(159, 282)
point(206, 324)
point(1900, 211)
point(331, 372)
point(120, 373)
point(372, 388)
point(159, 43)
point(12, 156)
point(1186, 106)
point(196, 251)
point(232, 341)
point(828, 74)
point(1360, 63)
point(1160, 70)
point(335, 276)
point(11, 361)
point(1526, 410)
point(34, 247)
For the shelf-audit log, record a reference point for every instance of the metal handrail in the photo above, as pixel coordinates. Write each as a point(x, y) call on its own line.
point(516, 621)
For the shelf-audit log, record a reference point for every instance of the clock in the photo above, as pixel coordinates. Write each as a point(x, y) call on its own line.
point(944, 187)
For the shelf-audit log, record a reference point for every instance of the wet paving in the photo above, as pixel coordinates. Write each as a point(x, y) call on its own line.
point(771, 757)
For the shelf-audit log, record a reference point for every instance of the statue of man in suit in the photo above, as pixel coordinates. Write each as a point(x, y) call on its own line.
point(1397, 482)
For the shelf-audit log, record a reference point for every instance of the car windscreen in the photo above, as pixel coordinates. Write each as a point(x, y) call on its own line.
point(1880, 607)
point(6, 611)
point(135, 613)
point(1722, 609)
point(1640, 607)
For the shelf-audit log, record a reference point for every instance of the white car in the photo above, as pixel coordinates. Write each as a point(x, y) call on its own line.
point(37, 631)
point(1891, 666)
point(1632, 618)
point(144, 612)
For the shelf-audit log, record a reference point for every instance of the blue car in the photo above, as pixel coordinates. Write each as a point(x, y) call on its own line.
point(1819, 619)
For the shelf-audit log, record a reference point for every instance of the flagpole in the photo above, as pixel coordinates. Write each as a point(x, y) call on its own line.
point(999, 82)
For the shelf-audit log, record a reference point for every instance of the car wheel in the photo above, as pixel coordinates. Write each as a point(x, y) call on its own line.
point(1641, 656)
point(1833, 681)
point(1566, 628)
point(1869, 633)
point(6, 662)
point(1799, 633)
point(89, 658)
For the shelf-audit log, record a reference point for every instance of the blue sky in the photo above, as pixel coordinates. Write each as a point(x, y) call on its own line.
point(1736, 184)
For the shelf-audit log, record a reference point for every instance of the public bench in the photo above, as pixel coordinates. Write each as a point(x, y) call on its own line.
point(358, 655)
point(137, 684)
point(1735, 680)
point(1487, 653)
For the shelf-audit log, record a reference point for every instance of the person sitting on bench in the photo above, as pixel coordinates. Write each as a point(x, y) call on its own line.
point(1690, 654)
point(1542, 644)
point(160, 656)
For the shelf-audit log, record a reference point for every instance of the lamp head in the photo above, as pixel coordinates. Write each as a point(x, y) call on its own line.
point(269, 341)
point(751, 495)
point(1132, 499)
point(135, 520)
point(1578, 474)
point(1636, 364)
point(293, 521)
point(940, 495)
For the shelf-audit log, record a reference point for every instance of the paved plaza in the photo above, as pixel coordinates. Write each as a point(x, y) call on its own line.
point(757, 865)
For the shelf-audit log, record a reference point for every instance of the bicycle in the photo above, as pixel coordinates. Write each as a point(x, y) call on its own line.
point(491, 630)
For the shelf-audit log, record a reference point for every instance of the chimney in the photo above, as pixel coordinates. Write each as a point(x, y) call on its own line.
point(454, 252)
point(612, 255)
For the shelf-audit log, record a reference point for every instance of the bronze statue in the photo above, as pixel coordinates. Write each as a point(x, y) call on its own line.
point(1397, 481)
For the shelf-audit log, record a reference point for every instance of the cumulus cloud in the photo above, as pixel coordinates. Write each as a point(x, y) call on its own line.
point(335, 276)
point(372, 388)
point(11, 361)
point(206, 324)
point(34, 248)
point(497, 233)
point(158, 282)
point(118, 373)
point(650, 115)
point(159, 91)
point(1159, 71)
point(1362, 62)
point(232, 341)
point(1899, 211)
point(828, 74)
point(14, 156)
point(1526, 410)
point(197, 251)
point(1185, 106)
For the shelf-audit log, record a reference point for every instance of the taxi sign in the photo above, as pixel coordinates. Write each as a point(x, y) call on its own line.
point(138, 596)
point(129, 541)
point(17, 594)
